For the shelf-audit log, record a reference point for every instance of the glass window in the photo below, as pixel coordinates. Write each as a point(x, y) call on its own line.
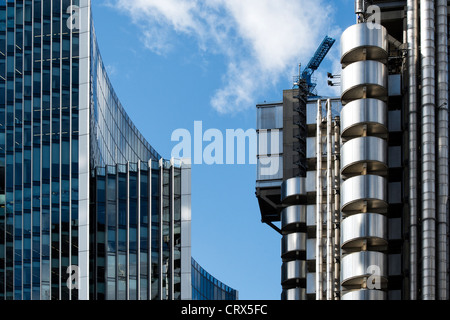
point(100, 189)
point(133, 239)
point(144, 288)
point(111, 211)
point(133, 265)
point(122, 213)
point(111, 188)
point(122, 290)
point(133, 213)
point(111, 289)
point(122, 239)
point(133, 289)
point(111, 268)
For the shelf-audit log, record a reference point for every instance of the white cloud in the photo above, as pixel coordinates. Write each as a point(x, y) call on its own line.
point(261, 40)
point(111, 69)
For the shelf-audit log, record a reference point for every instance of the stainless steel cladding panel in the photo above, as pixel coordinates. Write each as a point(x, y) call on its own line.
point(360, 191)
point(365, 294)
point(364, 229)
point(292, 244)
point(292, 216)
point(294, 294)
point(291, 271)
point(357, 267)
point(364, 153)
point(363, 42)
point(364, 79)
point(361, 116)
point(292, 189)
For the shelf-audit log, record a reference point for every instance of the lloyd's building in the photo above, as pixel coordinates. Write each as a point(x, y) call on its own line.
point(362, 194)
point(88, 209)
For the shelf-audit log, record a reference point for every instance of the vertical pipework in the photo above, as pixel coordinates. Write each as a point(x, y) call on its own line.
point(442, 150)
point(337, 204)
point(359, 10)
point(427, 27)
point(412, 7)
point(330, 255)
point(319, 223)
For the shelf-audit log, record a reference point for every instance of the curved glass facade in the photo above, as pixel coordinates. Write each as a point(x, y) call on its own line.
point(88, 209)
point(80, 188)
point(114, 138)
point(206, 287)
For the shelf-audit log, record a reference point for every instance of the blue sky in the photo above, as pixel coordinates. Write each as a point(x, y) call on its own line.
point(174, 62)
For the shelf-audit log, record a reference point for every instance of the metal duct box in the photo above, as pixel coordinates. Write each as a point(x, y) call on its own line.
point(395, 85)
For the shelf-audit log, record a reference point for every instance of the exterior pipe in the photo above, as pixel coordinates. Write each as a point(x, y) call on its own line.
point(427, 27)
point(330, 256)
point(412, 28)
point(337, 205)
point(359, 10)
point(442, 150)
point(319, 195)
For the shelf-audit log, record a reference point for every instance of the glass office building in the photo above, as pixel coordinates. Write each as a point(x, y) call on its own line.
point(88, 209)
point(207, 287)
point(136, 243)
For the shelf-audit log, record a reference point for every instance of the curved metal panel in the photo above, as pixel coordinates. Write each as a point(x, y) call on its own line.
point(292, 243)
point(364, 229)
point(364, 42)
point(361, 193)
point(364, 79)
point(364, 153)
point(294, 294)
point(292, 217)
point(293, 190)
point(358, 266)
point(365, 294)
point(369, 115)
point(292, 271)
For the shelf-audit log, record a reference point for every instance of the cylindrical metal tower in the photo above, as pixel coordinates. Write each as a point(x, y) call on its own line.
point(293, 201)
point(293, 245)
point(364, 166)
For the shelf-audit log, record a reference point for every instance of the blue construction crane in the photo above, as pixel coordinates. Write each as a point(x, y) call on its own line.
point(314, 64)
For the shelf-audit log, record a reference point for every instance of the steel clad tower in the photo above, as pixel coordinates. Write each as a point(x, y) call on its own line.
point(376, 186)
